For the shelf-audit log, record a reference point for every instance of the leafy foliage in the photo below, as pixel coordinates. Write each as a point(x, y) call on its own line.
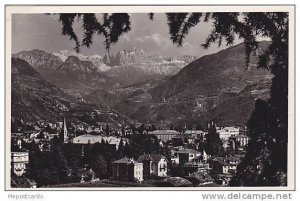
point(99, 165)
point(111, 26)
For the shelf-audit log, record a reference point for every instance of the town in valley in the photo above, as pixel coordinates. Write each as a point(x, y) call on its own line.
point(132, 155)
point(144, 113)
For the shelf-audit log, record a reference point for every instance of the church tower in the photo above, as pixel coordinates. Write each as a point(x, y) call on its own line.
point(63, 136)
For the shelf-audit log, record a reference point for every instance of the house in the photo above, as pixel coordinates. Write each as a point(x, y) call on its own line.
point(19, 161)
point(197, 134)
point(224, 168)
point(164, 135)
point(183, 139)
point(227, 132)
point(192, 166)
point(154, 164)
point(224, 165)
point(127, 169)
point(198, 163)
point(242, 140)
point(186, 155)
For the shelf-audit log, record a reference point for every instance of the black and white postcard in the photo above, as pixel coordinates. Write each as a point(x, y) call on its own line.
point(150, 97)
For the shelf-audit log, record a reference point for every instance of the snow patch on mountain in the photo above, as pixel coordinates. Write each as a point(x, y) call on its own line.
point(96, 59)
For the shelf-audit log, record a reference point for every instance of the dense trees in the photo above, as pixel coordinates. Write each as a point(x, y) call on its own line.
point(270, 136)
point(99, 165)
point(213, 144)
point(47, 168)
point(141, 144)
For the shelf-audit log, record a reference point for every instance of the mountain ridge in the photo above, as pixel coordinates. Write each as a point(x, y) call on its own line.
point(200, 88)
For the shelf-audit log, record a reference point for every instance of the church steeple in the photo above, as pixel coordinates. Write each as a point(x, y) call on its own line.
point(64, 132)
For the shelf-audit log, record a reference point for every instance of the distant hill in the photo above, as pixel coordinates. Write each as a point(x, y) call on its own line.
point(213, 74)
point(113, 97)
point(34, 98)
point(213, 87)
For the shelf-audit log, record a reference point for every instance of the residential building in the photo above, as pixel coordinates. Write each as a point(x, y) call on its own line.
point(243, 140)
point(154, 164)
point(185, 155)
point(127, 169)
point(198, 163)
point(197, 134)
point(19, 161)
point(227, 132)
point(183, 139)
point(224, 165)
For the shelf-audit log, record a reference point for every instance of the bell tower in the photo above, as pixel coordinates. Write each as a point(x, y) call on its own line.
point(63, 136)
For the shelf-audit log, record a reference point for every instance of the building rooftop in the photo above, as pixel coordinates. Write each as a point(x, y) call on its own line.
point(151, 157)
point(188, 151)
point(174, 182)
point(225, 160)
point(125, 161)
point(194, 132)
point(200, 177)
point(92, 139)
point(164, 132)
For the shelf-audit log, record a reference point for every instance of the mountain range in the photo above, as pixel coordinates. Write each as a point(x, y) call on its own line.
point(79, 75)
point(165, 91)
point(33, 98)
point(214, 87)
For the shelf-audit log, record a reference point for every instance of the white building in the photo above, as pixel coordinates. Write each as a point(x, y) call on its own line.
point(197, 134)
point(164, 135)
point(184, 156)
point(92, 139)
point(227, 132)
point(154, 164)
point(127, 169)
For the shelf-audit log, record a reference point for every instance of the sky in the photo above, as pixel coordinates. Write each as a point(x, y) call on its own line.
point(39, 31)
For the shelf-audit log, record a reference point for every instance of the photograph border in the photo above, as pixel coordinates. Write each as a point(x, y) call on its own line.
point(38, 8)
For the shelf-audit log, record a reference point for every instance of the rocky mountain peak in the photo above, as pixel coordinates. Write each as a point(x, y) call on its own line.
point(39, 59)
point(73, 63)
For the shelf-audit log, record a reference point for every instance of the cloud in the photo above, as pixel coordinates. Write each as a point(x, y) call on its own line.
point(126, 38)
point(156, 38)
point(157, 43)
point(153, 42)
